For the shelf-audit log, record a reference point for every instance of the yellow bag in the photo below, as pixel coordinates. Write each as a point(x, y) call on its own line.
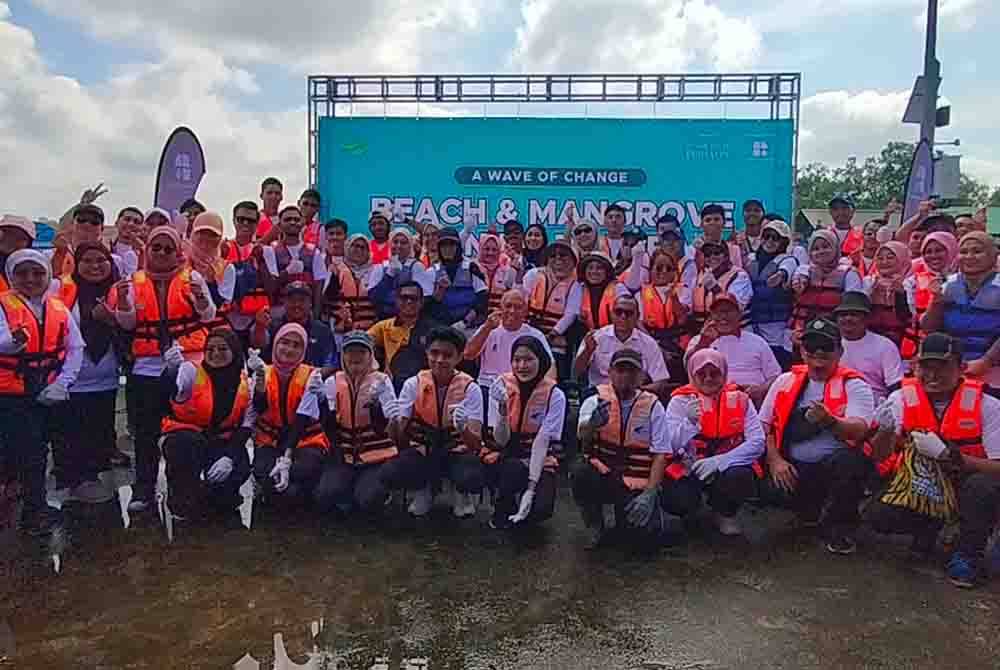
point(921, 484)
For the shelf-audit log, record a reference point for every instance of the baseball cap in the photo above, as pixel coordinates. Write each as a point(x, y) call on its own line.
point(627, 356)
point(779, 227)
point(358, 338)
point(565, 245)
point(381, 213)
point(208, 221)
point(298, 287)
point(822, 329)
point(596, 257)
point(92, 210)
point(842, 198)
point(853, 301)
point(22, 223)
point(753, 201)
point(940, 346)
point(724, 298)
point(449, 234)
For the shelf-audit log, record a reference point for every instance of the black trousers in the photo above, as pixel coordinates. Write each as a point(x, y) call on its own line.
point(591, 490)
point(87, 423)
point(840, 478)
point(727, 492)
point(303, 478)
point(144, 396)
point(464, 470)
point(365, 488)
point(24, 448)
point(188, 455)
point(508, 477)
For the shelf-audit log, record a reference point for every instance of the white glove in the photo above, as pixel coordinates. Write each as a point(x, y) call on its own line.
point(254, 362)
point(173, 357)
point(459, 418)
point(220, 470)
point(706, 467)
point(638, 249)
point(693, 410)
point(884, 418)
point(279, 473)
point(929, 444)
point(295, 267)
point(395, 267)
point(527, 499)
point(53, 394)
point(315, 384)
point(709, 281)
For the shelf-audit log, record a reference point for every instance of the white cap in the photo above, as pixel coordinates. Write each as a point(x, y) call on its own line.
point(21, 222)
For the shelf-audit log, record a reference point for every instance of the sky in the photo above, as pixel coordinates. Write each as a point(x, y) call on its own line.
point(90, 89)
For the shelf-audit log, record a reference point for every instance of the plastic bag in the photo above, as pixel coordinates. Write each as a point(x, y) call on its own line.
point(922, 485)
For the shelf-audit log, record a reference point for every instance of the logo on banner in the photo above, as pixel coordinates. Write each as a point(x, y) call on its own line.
point(182, 167)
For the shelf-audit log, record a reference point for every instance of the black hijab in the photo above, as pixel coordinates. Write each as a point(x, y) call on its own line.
point(535, 259)
point(97, 335)
point(544, 363)
point(225, 381)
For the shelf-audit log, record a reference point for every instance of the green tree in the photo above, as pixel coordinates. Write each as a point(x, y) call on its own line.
point(995, 198)
point(971, 191)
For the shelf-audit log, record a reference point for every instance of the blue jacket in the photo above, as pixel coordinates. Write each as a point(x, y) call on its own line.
point(768, 305)
point(462, 295)
point(977, 321)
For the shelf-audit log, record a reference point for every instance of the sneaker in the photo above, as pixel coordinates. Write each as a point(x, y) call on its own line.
point(463, 505)
point(421, 503)
point(728, 525)
point(843, 545)
point(962, 571)
point(139, 504)
point(91, 492)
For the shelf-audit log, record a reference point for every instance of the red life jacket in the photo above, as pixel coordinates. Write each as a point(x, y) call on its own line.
point(257, 299)
point(791, 387)
point(722, 425)
point(820, 298)
point(962, 423)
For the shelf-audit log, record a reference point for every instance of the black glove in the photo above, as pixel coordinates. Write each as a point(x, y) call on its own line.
point(799, 428)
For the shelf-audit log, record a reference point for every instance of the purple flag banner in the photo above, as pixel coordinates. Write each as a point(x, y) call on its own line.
point(182, 166)
point(920, 183)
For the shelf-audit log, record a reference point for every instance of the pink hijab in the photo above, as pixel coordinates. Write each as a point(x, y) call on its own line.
point(703, 357)
point(902, 254)
point(500, 260)
point(949, 242)
point(171, 232)
point(285, 369)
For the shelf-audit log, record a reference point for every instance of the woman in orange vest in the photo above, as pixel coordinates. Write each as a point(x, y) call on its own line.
point(40, 353)
point(206, 259)
point(88, 420)
point(367, 463)
point(548, 288)
point(525, 425)
point(718, 276)
point(205, 431)
point(890, 316)
point(345, 297)
point(819, 283)
point(664, 305)
point(291, 447)
point(500, 277)
point(163, 304)
point(938, 259)
point(716, 439)
point(593, 296)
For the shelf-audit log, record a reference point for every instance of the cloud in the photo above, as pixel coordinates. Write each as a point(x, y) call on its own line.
point(838, 124)
point(956, 14)
point(632, 35)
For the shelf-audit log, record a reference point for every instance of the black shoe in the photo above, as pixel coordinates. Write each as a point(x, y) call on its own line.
point(598, 537)
point(923, 546)
point(41, 523)
point(843, 545)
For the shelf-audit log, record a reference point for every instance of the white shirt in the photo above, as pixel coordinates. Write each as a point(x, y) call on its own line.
point(472, 403)
point(877, 358)
point(419, 273)
point(386, 397)
point(658, 442)
point(99, 376)
point(552, 423)
point(130, 259)
point(319, 271)
point(494, 359)
point(751, 361)
point(740, 287)
point(860, 405)
point(608, 343)
point(681, 431)
point(74, 349)
point(991, 420)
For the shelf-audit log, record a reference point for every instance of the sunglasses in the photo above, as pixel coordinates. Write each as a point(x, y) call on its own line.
point(772, 237)
point(714, 252)
point(582, 231)
point(821, 348)
point(625, 313)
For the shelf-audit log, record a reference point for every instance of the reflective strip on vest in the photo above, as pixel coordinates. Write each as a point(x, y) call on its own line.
point(624, 448)
point(432, 426)
point(37, 365)
point(961, 425)
point(281, 411)
point(359, 441)
point(547, 305)
point(182, 323)
point(196, 413)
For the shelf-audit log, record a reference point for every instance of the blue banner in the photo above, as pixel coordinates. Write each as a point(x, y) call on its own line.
point(535, 169)
point(920, 182)
point(182, 166)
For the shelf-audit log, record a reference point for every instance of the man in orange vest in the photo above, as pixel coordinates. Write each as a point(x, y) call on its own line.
point(622, 430)
point(816, 417)
point(852, 240)
point(948, 418)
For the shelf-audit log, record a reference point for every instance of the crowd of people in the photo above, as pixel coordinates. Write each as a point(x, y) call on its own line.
point(860, 364)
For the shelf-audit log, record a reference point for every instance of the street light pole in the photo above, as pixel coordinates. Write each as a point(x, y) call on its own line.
point(932, 75)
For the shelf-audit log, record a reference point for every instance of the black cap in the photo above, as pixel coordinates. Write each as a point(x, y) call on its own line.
point(822, 329)
point(298, 287)
point(854, 301)
point(753, 201)
point(449, 234)
point(91, 209)
point(941, 221)
point(940, 346)
point(629, 356)
point(513, 226)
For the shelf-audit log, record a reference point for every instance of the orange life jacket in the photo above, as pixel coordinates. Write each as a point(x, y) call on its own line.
point(354, 293)
point(922, 296)
point(281, 410)
point(547, 303)
point(37, 365)
point(525, 420)
point(498, 283)
point(820, 298)
point(701, 300)
point(283, 257)
point(722, 425)
point(196, 413)
point(4, 285)
point(356, 436)
point(603, 310)
point(962, 423)
point(852, 247)
point(432, 426)
point(623, 448)
point(68, 291)
point(661, 322)
point(791, 387)
point(257, 299)
point(180, 323)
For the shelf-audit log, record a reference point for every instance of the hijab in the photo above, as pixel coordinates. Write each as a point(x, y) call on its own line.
point(584, 223)
point(490, 266)
point(703, 357)
point(97, 334)
point(175, 237)
point(832, 239)
point(205, 255)
point(903, 264)
point(544, 363)
point(949, 242)
point(727, 261)
point(401, 232)
point(360, 270)
point(979, 235)
point(536, 258)
point(29, 256)
point(286, 369)
point(226, 380)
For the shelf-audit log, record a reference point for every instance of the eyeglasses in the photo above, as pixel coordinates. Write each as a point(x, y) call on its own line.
point(821, 348)
point(246, 221)
point(714, 252)
point(582, 231)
